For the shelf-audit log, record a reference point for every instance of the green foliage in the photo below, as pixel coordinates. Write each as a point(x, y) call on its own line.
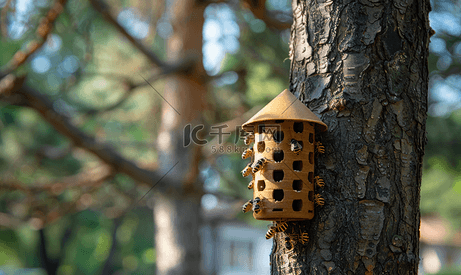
point(105, 63)
point(9, 245)
point(262, 87)
point(441, 184)
point(448, 271)
point(88, 245)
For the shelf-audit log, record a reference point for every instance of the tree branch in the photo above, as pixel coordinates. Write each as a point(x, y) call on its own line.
point(108, 264)
point(3, 18)
point(88, 181)
point(43, 30)
point(120, 102)
point(66, 236)
point(61, 123)
point(10, 83)
point(88, 177)
point(50, 265)
point(258, 8)
point(183, 65)
point(131, 87)
point(9, 221)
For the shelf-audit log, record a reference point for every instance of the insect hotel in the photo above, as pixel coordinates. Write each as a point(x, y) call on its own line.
point(282, 163)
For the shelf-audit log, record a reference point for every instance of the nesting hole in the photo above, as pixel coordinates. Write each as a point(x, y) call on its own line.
point(311, 195)
point(277, 210)
point(261, 185)
point(297, 205)
point(278, 175)
point(310, 177)
point(278, 155)
point(310, 211)
point(311, 158)
point(261, 146)
point(298, 127)
point(278, 194)
point(311, 138)
point(278, 136)
point(297, 185)
point(298, 165)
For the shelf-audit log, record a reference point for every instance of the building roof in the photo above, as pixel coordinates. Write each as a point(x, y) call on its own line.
point(285, 107)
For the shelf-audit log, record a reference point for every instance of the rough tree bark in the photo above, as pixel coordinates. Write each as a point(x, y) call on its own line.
point(361, 66)
point(177, 207)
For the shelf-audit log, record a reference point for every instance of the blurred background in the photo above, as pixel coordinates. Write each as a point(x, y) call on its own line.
point(110, 70)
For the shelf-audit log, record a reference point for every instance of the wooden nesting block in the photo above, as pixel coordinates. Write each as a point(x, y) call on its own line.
point(285, 183)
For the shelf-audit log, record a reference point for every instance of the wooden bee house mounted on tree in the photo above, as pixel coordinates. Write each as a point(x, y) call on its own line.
point(282, 162)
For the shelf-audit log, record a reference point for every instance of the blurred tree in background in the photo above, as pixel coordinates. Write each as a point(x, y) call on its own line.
point(441, 186)
point(79, 146)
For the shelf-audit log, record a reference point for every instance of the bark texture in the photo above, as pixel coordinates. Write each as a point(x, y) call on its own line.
point(177, 202)
point(361, 66)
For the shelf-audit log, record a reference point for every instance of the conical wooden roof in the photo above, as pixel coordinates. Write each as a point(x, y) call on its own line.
point(285, 107)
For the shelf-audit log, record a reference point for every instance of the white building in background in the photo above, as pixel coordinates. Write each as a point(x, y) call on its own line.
point(232, 247)
point(440, 247)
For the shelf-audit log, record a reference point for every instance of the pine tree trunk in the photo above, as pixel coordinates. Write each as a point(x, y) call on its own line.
point(176, 204)
point(361, 66)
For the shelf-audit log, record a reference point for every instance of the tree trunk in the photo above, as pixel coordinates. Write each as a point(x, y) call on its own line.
point(177, 200)
point(361, 66)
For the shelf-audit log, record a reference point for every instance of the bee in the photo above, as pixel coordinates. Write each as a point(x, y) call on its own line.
point(247, 206)
point(296, 147)
point(247, 153)
point(276, 227)
point(303, 238)
point(291, 240)
point(256, 208)
point(252, 204)
point(319, 200)
point(251, 184)
point(319, 147)
point(249, 139)
point(247, 170)
point(259, 164)
point(319, 181)
point(256, 205)
point(282, 226)
point(271, 232)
